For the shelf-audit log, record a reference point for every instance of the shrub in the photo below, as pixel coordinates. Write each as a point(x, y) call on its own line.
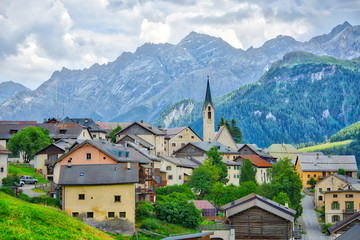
point(48, 201)
point(10, 181)
point(8, 191)
point(143, 210)
point(184, 188)
point(150, 224)
point(325, 228)
point(24, 197)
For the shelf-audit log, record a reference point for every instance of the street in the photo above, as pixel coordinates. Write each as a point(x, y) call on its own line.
point(27, 190)
point(309, 219)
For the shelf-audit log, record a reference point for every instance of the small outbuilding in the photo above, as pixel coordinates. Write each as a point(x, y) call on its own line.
point(208, 210)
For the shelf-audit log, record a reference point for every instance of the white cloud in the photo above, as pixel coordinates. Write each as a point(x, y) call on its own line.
point(155, 32)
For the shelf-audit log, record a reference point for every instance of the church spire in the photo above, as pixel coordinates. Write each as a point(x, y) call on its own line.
point(208, 95)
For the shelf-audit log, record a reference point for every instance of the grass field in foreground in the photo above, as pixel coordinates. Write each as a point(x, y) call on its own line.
point(320, 147)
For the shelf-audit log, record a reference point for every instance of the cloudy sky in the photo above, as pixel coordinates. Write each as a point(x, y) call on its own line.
point(38, 37)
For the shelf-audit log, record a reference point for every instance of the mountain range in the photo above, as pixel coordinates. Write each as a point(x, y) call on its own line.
point(142, 84)
point(9, 89)
point(301, 98)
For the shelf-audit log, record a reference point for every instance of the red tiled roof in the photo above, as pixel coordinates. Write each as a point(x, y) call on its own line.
point(202, 204)
point(256, 160)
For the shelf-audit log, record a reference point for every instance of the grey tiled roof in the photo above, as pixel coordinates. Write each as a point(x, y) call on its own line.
point(205, 146)
point(6, 127)
point(139, 140)
point(146, 126)
point(181, 162)
point(98, 174)
point(172, 132)
point(321, 163)
point(86, 122)
point(352, 233)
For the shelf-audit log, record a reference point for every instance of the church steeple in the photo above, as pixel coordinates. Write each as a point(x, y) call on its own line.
point(208, 115)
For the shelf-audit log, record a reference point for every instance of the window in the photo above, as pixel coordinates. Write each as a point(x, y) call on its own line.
point(229, 167)
point(320, 190)
point(335, 218)
point(179, 177)
point(192, 137)
point(238, 176)
point(349, 195)
point(209, 114)
point(320, 198)
point(111, 214)
point(90, 214)
point(1, 169)
point(62, 131)
point(180, 136)
point(234, 176)
point(94, 135)
point(168, 168)
point(117, 198)
point(328, 189)
point(308, 175)
point(81, 196)
point(334, 195)
point(173, 144)
point(314, 175)
point(88, 156)
point(335, 205)
point(75, 214)
point(170, 177)
point(122, 214)
point(209, 108)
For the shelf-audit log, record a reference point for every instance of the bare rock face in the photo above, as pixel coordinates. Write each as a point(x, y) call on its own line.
point(140, 85)
point(8, 89)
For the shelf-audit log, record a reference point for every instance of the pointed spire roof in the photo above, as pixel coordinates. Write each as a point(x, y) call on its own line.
point(208, 95)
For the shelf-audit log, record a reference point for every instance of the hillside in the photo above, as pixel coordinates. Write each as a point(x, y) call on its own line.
point(301, 98)
point(9, 89)
point(22, 220)
point(350, 132)
point(140, 85)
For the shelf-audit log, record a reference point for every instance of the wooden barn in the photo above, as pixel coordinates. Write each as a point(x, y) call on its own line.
point(256, 217)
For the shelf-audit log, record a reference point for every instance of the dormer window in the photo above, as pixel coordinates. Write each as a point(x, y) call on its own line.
point(62, 131)
point(13, 131)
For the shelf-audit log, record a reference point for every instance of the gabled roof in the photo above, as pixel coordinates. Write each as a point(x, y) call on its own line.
point(180, 162)
point(352, 233)
point(146, 126)
point(254, 200)
point(205, 146)
point(3, 150)
point(137, 139)
point(208, 99)
point(256, 160)
point(282, 148)
point(323, 163)
point(254, 148)
point(98, 174)
point(143, 151)
point(172, 132)
point(344, 222)
point(115, 151)
point(86, 122)
point(64, 130)
point(353, 182)
point(112, 125)
point(6, 127)
point(202, 204)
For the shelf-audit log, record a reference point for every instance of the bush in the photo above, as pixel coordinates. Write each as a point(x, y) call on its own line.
point(48, 201)
point(10, 181)
point(143, 210)
point(24, 197)
point(150, 224)
point(325, 228)
point(8, 191)
point(184, 188)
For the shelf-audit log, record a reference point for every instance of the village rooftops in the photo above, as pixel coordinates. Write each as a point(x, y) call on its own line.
point(352, 233)
point(7, 130)
point(201, 161)
point(259, 151)
point(353, 182)
point(180, 162)
point(255, 160)
point(117, 152)
point(282, 148)
point(327, 163)
point(147, 126)
point(254, 200)
point(205, 146)
point(172, 132)
point(345, 222)
point(139, 140)
point(86, 122)
point(98, 174)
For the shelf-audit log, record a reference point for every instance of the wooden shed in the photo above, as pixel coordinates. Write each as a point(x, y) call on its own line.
point(256, 217)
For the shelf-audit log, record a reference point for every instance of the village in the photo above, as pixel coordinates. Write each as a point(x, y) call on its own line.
point(98, 177)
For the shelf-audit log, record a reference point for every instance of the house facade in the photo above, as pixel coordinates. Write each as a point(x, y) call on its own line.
point(224, 137)
point(261, 167)
point(176, 138)
point(4, 155)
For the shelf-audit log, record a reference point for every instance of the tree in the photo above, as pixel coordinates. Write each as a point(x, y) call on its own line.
point(248, 172)
point(184, 188)
point(282, 198)
point(113, 132)
point(312, 182)
point(10, 180)
point(223, 122)
point(143, 210)
point(341, 171)
point(28, 141)
point(214, 159)
point(201, 180)
point(235, 131)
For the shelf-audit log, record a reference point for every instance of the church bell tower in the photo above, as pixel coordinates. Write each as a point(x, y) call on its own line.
point(208, 116)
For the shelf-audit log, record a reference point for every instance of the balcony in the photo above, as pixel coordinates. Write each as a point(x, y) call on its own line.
point(50, 162)
point(144, 177)
point(349, 211)
point(143, 191)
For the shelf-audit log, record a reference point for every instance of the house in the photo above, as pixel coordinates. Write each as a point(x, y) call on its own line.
point(223, 136)
point(283, 150)
point(200, 148)
point(319, 166)
point(146, 132)
point(95, 130)
point(138, 141)
point(9, 128)
point(345, 225)
point(4, 154)
point(110, 126)
point(331, 183)
point(253, 149)
point(352, 233)
point(256, 217)
point(340, 204)
point(97, 180)
point(207, 209)
point(69, 130)
point(260, 164)
point(178, 170)
point(178, 137)
point(45, 158)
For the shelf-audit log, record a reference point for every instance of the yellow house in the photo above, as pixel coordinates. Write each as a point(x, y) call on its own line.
point(332, 183)
point(341, 204)
point(319, 166)
point(176, 138)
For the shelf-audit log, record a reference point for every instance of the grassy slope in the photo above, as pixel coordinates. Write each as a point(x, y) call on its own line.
point(321, 147)
point(21, 170)
point(22, 220)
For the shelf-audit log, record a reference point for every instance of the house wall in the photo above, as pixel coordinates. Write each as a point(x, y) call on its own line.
point(255, 223)
point(84, 135)
point(230, 156)
point(341, 199)
point(246, 151)
point(3, 166)
point(184, 137)
point(330, 183)
point(176, 175)
point(234, 175)
point(3, 142)
point(98, 135)
point(226, 139)
point(100, 200)
point(261, 175)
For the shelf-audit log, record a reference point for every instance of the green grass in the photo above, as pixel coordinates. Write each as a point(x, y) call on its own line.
point(22, 220)
point(38, 190)
point(321, 147)
point(23, 169)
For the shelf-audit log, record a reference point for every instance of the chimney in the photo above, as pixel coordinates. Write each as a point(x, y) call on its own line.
point(317, 155)
point(142, 121)
point(159, 127)
point(69, 163)
point(67, 149)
